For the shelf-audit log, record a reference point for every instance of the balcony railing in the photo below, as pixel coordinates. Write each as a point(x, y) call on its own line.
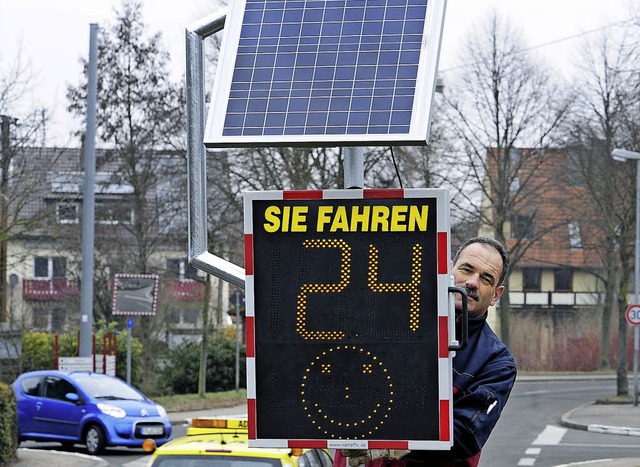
point(555, 299)
point(48, 289)
point(191, 291)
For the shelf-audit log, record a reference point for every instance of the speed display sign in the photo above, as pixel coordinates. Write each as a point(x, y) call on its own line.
point(348, 319)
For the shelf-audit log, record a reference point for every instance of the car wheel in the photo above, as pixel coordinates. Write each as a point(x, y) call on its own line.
point(94, 439)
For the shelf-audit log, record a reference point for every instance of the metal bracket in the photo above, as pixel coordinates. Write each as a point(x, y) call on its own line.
point(199, 256)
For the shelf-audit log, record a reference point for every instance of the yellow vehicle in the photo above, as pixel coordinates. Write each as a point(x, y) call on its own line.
point(224, 443)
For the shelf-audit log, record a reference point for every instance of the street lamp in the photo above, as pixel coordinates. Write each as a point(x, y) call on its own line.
point(622, 155)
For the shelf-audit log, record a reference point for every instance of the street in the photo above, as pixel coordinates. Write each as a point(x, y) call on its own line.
point(529, 432)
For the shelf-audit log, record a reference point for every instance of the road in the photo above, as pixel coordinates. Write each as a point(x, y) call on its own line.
point(529, 432)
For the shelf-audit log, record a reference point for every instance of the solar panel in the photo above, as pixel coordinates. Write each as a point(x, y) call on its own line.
point(324, 72)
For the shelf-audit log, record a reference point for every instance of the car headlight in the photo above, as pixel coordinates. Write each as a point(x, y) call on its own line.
point(161, 411)
point(112, 410)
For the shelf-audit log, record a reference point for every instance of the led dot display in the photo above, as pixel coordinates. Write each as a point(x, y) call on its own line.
point(365, 417)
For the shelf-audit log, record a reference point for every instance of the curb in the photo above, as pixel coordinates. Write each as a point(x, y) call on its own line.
point(613, 430)
point(561, 377)
point(565, 420)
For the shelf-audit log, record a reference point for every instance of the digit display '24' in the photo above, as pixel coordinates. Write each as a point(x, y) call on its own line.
point(332, 397)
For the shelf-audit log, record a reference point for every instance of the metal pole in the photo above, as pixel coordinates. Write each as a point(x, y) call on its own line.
point(88, 203)
point(636, 287)
point(353, 167)
point(4, 210)
point(129, 332)
point(238, 330)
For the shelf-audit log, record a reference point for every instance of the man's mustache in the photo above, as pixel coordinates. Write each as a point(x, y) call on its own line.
point(472, 293)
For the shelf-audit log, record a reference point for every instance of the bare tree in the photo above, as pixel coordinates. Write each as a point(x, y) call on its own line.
point(504, 100)
point(22, 170)
point(607, 116)
point(21, 130)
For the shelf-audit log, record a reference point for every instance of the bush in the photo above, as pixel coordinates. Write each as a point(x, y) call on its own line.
point(8, 425)
point(181, 369)
point(38, 350)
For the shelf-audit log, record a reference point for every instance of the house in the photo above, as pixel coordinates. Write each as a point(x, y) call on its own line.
point(556, 292)
point(44, 251)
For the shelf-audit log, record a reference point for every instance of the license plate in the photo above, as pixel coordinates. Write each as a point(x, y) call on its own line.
point(151, 430)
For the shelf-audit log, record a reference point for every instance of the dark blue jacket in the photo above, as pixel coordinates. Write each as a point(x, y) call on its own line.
point(483, 374)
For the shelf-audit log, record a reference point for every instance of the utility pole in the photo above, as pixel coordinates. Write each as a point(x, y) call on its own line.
point(88, 202)
point(5, 163)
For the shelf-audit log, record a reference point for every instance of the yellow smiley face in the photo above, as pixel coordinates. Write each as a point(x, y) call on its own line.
point(347, 393)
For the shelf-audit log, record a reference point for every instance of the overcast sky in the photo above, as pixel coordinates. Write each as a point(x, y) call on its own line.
point(52, 35)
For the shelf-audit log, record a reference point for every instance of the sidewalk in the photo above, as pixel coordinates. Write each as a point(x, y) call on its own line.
point(615, 419)
point(48, 458)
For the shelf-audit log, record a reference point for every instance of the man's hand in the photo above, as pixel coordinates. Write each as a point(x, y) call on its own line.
point(359, 456)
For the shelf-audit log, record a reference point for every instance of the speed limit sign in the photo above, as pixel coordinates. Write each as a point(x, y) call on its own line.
point(633, 315)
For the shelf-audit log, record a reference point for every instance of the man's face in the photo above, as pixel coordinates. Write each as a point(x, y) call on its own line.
point(478, 270)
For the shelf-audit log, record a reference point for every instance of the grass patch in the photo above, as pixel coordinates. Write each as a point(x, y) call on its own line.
point(627, 399)
point(212, 400)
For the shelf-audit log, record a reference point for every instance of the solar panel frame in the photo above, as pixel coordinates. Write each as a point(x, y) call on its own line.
point(276, 61)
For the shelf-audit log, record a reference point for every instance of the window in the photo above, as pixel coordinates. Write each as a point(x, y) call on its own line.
point(514, 155)
point(521, 226)
point(183, 316)
point(575, 170)
point(173, 316)
point(57, 388)
point(49, 319)
point(563, 279)
point(41, 319)
point(574, 235)
point(31, 386)
point(531, 279)
point(50, 268)
point(67, 213)
point(190, 316)
point(113, 213)
point(514, 186)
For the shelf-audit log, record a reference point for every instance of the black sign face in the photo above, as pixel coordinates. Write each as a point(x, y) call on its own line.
point(346, 325)
point(135, 294)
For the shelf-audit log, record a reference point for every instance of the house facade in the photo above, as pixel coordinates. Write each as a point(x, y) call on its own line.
point(44, 258)
point(556, 292)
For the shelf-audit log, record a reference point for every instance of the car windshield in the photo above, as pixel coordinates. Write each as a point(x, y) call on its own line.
point(104, 387)
point(214, 461)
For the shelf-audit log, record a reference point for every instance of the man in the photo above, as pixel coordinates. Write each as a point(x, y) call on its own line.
point(483, 372)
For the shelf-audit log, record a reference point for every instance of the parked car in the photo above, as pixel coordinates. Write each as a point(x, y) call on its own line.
point(212, 442)
point(89, 408)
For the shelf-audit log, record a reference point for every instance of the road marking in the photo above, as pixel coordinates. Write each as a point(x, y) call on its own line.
point(527, 461)
point(595, 461)
point(550, 436)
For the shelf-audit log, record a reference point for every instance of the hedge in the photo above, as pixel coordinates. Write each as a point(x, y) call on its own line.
point(8, 425)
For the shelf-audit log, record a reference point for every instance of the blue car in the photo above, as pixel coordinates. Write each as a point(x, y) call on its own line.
point(89, 408)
